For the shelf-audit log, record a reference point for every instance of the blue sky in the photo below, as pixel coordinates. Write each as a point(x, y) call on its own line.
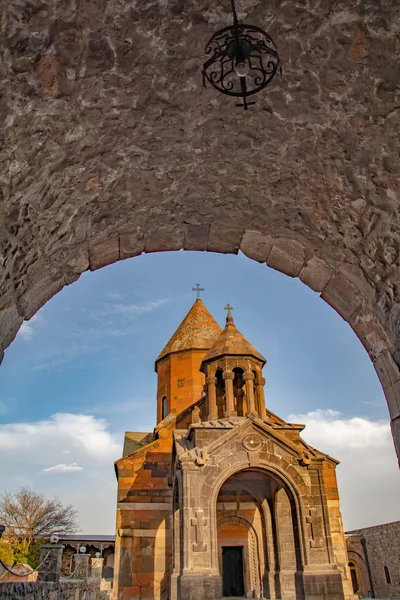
point(88, 357)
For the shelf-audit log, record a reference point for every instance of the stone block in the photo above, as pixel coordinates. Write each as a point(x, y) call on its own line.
point(395, 426)
point(354, 274)
point(224, 239)
point(392, 394)
point(343, 296)
point(131, 244)
point(10, 322)
point(104, 254)
point(161, 240)
point(370, 332)
point(37, 295)
point(286, 256)
point(315, 274)
point(195, 237)
point(200, 587)
point(256, 245)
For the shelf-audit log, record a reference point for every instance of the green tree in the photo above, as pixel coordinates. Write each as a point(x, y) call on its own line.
point(29, 517)
point(33, 558)
point(6, 553)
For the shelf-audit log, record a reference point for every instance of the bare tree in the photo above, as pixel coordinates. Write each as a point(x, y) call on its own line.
point(28, 516)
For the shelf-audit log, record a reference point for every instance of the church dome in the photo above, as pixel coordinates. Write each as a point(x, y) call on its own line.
point(198, 331)
point(232, 343)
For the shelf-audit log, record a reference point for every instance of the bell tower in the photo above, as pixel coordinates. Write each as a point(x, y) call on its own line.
point(233, 370)
point(180, 381)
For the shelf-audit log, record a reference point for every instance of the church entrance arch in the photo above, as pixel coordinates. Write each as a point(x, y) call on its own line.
point(255, 511)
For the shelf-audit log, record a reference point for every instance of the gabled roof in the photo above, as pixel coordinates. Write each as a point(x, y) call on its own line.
point(134, 440)
point(232, 343)
point(198, 331)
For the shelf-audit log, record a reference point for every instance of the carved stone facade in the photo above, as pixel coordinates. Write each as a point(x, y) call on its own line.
point(225, 499)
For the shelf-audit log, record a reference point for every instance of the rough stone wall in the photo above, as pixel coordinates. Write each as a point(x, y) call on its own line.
point(143, 535)
point(112, 148)
point(336, 525)
point(73, 590)
point(383, 548)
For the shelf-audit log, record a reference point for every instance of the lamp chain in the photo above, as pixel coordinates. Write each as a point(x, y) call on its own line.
point(235, 19)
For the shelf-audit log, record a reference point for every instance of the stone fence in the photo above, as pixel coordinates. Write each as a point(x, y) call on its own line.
point(85, 583)
point(62, 590)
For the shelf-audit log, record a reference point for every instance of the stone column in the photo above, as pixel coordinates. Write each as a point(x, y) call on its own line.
point(249, 378)
point(212, 398)
point(261, 397)
point(199, 577)
point(228, 377)
point(50, 562)
point(97, 567)
point(81, 566)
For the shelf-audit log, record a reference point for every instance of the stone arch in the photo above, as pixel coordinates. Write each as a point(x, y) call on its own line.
point(295, 494)
point(347, 293)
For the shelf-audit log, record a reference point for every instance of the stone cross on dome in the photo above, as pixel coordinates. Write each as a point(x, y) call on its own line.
point(229, 318)
point(197, 289)
point(228, 307)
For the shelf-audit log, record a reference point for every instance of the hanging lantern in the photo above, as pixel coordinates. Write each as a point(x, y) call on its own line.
point(240, 60)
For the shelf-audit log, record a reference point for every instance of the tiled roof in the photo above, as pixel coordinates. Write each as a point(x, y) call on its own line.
point(232, 343)
point(198, 331)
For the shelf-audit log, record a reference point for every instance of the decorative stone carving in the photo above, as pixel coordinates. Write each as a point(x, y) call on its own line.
point(248, 376)
point(228, 375)
point(304, 459)
point(316, 525)
point(198, 523)
point(252, 442)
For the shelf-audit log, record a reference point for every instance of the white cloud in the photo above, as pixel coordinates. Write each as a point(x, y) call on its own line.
point(85, 434)
point(114, 295)
point(27, 329)
point(330, 428)
point(139, 309)
point(113, 309)
point(32, 454)
point(367, 458)
point(63, 468)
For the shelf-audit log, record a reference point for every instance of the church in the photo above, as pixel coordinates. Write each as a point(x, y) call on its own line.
point(224, 498)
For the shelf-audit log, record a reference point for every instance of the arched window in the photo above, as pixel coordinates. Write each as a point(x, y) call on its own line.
point(354, 576)
point(220, 389)
point(239, 393)
point(387, 575)
point(164, 407)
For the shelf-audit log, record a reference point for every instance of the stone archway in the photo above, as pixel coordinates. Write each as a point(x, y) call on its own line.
point(127, 155)
point(255, 559)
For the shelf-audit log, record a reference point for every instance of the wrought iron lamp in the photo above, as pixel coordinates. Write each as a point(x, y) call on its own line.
point(240, 60)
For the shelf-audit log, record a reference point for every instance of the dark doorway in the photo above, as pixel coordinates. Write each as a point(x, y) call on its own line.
point(232, 571)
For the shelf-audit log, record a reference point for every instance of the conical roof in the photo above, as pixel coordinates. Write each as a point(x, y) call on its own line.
point(232, 343)
point(198, 331)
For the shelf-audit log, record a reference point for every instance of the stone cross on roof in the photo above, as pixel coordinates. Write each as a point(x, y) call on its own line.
point(228, 307)
point(197, 289)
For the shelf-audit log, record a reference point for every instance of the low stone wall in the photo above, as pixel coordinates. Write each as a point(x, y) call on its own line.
point(64, 590)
